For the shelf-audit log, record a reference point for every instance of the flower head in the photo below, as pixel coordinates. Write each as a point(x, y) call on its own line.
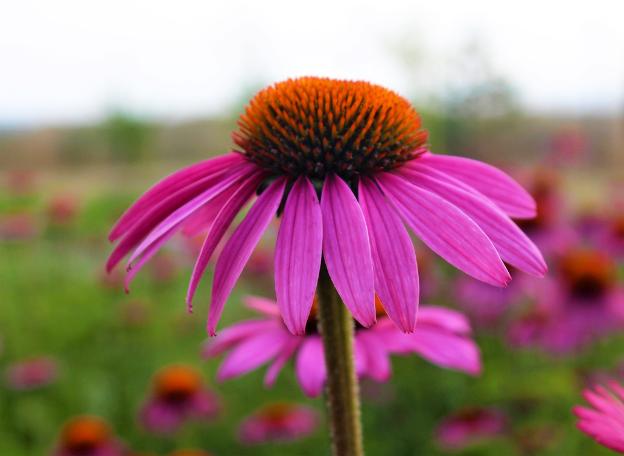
point(441, 336)
point(604, 421)
point(467, 426)
point(278, 421)
point(360, 149)
point(32, 373)
point(177, 395)
point(88, 436)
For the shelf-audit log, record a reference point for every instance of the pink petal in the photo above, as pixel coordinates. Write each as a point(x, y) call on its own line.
point(288, 350)
point(225, 185)
point(446, 350)
point(252, 353)
point(444, 318)
point(513, 245)
point(492, 182)
point(446, 230)
point(232, 335)
point(201, 221)
point(222, 222)
point(394, 260)
point(298, 255)
point(310, 366)
point(263, 305)
point(238, 249)
point(170, 185)
point(377, 357)
point(346, 249)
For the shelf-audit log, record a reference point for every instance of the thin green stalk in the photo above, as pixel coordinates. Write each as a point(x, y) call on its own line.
point(343, 399)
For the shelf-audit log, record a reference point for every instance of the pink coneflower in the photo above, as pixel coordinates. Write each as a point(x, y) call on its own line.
point(32, 373)
point(62, 210)
point(441, 336)
point(604, 421)
point(88, 436)
point(360, 149)
point(279, 421)
point(177, 396)
point(583, 301)
point(469, 426)
point(18, 227)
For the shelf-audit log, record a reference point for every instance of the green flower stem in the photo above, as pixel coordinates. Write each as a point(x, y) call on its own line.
point(343, 400)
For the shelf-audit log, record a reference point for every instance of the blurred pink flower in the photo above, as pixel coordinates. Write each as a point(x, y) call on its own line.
point(442, 336)
point(279, 421)
point(32, 373)
point(20, 182)
point(581, 302)
point(469, 426)
point(62, 210)
point(18, 227)
point(190, 452)
point(604, 421)
point(349, 208)
point(177, 396)
point(88, 436)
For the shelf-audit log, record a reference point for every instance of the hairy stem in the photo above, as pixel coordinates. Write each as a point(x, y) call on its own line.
point(343, 401)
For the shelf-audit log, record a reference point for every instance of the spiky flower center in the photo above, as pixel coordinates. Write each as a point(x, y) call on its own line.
point(315, 126)
point(588, 273)
point(85, 433)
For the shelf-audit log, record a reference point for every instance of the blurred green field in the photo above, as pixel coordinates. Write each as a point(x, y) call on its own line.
point(54, 302)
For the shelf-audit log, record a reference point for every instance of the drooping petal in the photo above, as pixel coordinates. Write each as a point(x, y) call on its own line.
point(298, 255)
point(227, 185)
point(346, 249)
point(239, 247)
point(443, 317)
point(394, 260)
point(201, 221)
point(498, 186)
point(170, 185)
point(252, 353)
point(446, 350)
point(288, 350)
point(446, 230)
point(513, 245)
point(235, 333)
point(263, 305)
point(310, 366)
point(377, 358)
point(220, 225)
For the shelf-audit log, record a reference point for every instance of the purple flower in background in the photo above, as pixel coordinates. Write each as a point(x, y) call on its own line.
point(604, 421)
point(279, 421)
point(32, 373)
point(469, 426)
point(177, 396)
point(581, 302)
point(88, 436)
point(359, 149)
point(442, 336)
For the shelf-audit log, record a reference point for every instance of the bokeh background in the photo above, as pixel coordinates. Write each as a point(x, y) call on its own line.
point(100, 99)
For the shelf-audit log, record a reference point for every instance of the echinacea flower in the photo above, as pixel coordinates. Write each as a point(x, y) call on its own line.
point(177, 395)
point(442, 336)
point(32, 373)
point(88, 436)
point(581, 302)
point(280, 421)
point(469, 426)
point(62, 210)
point(604, 421)
point(360, 149)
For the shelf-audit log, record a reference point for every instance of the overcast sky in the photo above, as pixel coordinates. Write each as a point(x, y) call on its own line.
point(72, 60)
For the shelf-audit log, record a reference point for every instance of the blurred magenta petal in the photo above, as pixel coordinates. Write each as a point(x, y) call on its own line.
point(251, 353)
point(30, 374)
point(288, 350)
point(346, 249)
point(298, 255)
point(262, 305)
point(512, 244)
point(234, 334)
point(498, 186)
point(377, 357)
point(170, 185)
point(310, 366)
point(469, 426)
point(446, 318)
point(239, 247)
point(394, 260)
point(278, 422)
point(221, 223)
point(446, 230)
